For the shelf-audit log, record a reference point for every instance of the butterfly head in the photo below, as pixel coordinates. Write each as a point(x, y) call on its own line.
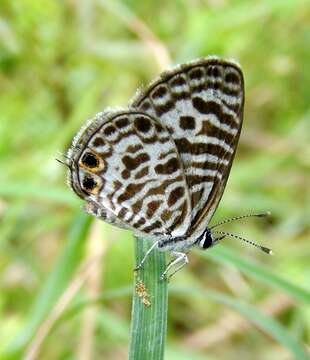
point(207, 239)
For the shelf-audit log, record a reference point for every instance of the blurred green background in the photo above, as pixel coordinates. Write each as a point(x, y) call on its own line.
point(66, 281)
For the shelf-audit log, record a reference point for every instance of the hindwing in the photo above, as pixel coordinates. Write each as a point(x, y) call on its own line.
point(126, 165)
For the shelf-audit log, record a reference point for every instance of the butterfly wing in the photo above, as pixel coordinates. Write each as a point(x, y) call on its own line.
point(201, 104)
point(127, 167)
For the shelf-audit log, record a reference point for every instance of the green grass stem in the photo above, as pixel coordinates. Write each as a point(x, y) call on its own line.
point(149, 312)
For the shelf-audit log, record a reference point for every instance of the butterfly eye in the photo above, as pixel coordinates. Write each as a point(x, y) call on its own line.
point(206, 240)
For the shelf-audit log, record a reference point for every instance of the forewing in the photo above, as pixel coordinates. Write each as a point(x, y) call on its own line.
point(138, 175)
point(201, 104)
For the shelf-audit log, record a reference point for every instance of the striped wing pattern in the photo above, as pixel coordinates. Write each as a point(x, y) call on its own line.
point(128, 168)
point(160, 167)
point(201, 105)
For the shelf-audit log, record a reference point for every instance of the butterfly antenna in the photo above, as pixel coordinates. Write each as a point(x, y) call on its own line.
point(264, 214)
point(263, 248)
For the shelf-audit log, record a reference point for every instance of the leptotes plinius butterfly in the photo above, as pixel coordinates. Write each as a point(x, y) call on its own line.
point(160, 166)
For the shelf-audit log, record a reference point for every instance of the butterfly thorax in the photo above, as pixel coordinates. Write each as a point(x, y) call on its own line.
point(204, 241)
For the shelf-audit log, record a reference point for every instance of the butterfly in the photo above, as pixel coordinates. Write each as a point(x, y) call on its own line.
point(160, 166)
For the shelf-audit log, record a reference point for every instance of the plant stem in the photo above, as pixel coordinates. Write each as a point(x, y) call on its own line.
point(149, 306)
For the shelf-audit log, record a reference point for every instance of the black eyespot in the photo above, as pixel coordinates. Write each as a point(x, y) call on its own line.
point(90, 160)
point(89, 183)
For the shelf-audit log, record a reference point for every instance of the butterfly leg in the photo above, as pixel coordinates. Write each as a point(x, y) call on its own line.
point(179, 258)
point(139, 266)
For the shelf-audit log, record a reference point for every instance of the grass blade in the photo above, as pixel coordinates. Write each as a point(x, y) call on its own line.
point(264, 322)
point(35, 190)
point(222, 254)
point(149, 323)
point(54, 285)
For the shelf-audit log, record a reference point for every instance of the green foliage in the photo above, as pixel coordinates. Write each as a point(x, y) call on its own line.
point(60, 63)
point(55, 283)
point(150, 306)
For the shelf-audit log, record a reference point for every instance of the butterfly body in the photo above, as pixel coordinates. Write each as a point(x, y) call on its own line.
point(159, 167)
